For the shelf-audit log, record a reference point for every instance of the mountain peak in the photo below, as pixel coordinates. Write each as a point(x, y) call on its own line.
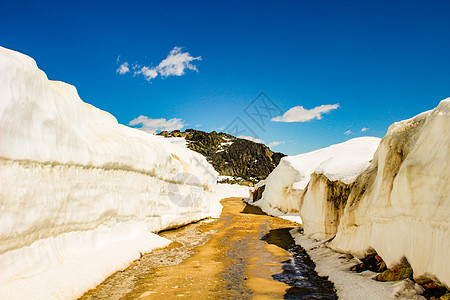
point(236, 159)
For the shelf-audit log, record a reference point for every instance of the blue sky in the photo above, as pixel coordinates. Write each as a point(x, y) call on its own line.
point(372, 62)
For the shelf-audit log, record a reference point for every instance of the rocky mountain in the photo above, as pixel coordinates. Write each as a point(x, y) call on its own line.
point(240, 160)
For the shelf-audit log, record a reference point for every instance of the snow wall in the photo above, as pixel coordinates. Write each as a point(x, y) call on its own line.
point(398, 206)
point(81, 194)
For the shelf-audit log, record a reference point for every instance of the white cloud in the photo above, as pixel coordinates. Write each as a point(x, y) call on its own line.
point(300, 114)
point(148, 73)
point(364, 129)
point(250, 138)
point(273, 144)
point(153, 125)
point(174, 64)
point(123, 68)
point(348, 132)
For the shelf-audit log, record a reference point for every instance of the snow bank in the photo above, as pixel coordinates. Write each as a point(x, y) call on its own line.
point(80, 194)
point(225, 190)
point(344, 162)
point(322, 205)
point(351, 285)
point(400, 206)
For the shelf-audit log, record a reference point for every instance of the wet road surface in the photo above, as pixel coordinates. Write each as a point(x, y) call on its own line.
point(245, 254)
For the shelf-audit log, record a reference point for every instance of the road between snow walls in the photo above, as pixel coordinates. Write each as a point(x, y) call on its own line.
point(244, 254)
point(82, 196)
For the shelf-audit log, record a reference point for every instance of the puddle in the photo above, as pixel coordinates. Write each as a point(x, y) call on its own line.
point(299, 272)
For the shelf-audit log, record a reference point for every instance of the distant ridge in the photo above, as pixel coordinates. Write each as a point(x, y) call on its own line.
point(240, 160)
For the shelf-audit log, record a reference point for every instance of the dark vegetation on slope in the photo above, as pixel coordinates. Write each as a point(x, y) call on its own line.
point(246, 161)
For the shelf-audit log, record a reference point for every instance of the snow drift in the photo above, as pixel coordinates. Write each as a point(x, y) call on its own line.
point(344, 162)
point(400, 206)
point(80, 193)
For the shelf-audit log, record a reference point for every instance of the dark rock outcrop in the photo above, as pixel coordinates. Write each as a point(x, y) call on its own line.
point(397, 272)
point(372, 262)
point(244, 160)
point(257, 193)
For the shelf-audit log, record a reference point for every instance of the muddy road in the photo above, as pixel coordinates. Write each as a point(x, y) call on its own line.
point(245, 254)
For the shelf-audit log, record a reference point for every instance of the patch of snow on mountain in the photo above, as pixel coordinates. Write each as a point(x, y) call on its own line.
point(226, 144)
